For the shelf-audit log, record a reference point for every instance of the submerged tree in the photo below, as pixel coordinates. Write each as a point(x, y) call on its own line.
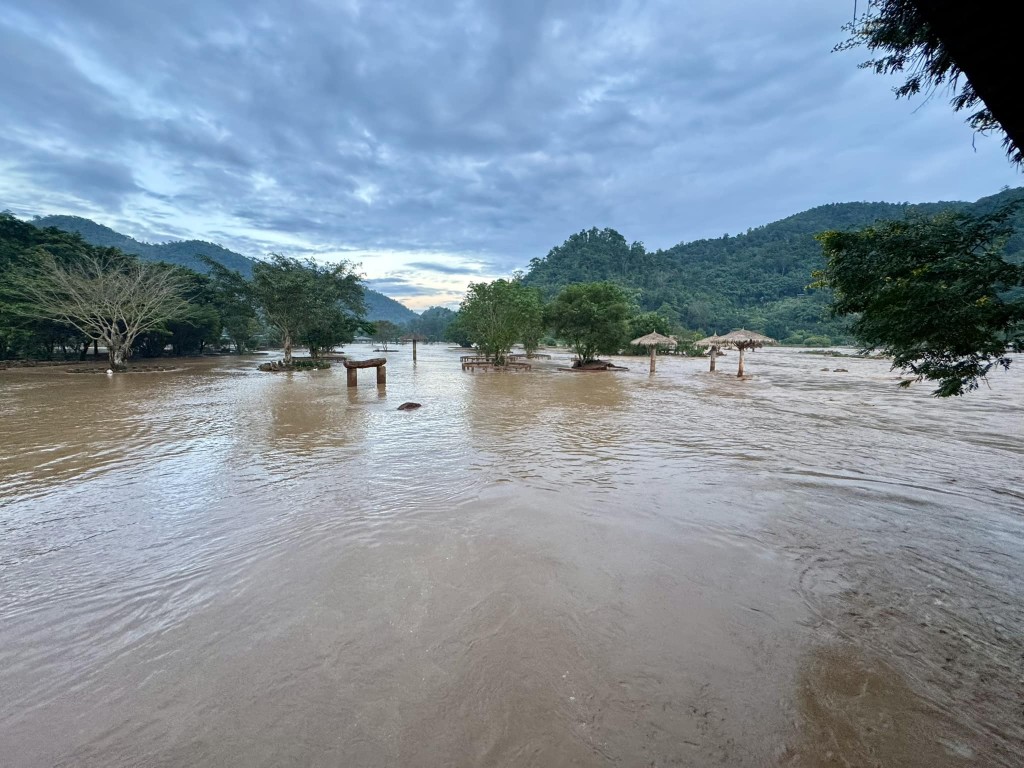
point(108, 296)
point(384, 332)
point(932, 292)
point(971, 48)
point(497, 315)
point(592, 317)
point(308, 303)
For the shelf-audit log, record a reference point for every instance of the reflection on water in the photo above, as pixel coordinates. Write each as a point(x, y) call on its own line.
point(217, 566)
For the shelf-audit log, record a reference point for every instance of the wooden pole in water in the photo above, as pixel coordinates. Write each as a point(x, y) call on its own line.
point(740, 373)
point(414, 349)
point(654, 351)
point(351, 374)
point(714, 354)
point(382, 375)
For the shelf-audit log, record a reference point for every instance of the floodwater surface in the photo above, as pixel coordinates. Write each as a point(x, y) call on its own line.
point(220, 567)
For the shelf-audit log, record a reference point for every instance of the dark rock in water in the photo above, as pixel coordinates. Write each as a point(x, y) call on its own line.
point(839, 370)
point(409, 406)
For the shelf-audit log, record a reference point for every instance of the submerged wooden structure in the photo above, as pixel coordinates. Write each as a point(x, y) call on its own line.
point(486, 362)
point(413, 338)
point(652, 341)
point(352, 370)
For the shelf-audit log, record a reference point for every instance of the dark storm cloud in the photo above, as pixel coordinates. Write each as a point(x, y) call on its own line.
point(489, 129)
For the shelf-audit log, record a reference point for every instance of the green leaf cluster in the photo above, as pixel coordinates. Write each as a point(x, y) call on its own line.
point(592, 317)
point(934, 292)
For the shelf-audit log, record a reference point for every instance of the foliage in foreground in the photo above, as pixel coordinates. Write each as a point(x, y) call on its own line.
point(968, 48)
point(934, 293)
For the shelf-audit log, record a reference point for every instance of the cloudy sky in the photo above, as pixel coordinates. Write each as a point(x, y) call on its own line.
point(438, 142)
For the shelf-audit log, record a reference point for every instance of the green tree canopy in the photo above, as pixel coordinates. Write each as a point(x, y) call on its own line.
point(933, 292)
point(432, 323)
point(498, 314)
point(456, 331)
point(592, 317)
point(309, 303)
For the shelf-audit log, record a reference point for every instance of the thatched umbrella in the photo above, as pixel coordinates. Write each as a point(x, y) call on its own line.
point(714, 344)
point(744, 340)
point(652, 341)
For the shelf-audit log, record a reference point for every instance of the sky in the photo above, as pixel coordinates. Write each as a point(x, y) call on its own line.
point(439, 143)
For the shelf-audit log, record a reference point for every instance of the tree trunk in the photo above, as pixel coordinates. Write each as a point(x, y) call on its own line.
point(739, 374)
point(287, 348)
point(116, 355)
point(95, 348)
point(983, 39)
point(85, 350)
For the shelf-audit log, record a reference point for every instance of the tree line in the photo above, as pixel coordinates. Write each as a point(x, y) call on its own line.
point(594, 318)
point(59, 293)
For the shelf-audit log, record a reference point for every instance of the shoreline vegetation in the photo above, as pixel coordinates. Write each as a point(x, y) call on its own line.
point(61, 295)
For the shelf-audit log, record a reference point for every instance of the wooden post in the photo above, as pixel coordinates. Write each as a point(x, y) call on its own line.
point(351, 373)
point(740, 373)
point(414, 349)
point(382, 375)
point(714, 355)
point(654, 351)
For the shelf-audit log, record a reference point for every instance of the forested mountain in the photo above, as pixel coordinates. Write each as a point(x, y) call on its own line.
point(381, 307)
point(757, 280)
point(186, 253)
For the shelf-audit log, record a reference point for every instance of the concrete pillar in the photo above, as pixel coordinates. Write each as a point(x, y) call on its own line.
point(382, 375)
point(351, 373)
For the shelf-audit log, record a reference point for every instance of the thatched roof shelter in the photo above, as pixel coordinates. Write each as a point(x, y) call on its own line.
point(714, 343)
point(750, 339)
point(709, 341)
point(744, 340)
point(652, 341)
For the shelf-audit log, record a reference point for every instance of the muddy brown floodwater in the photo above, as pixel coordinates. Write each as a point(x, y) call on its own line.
point(221, 567)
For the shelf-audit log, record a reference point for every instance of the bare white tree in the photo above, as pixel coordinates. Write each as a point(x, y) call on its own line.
point(110, 299)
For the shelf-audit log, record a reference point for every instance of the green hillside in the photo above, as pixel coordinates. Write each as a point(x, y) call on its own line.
point(186, 253)
point(757, 280)
point(381, 307)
